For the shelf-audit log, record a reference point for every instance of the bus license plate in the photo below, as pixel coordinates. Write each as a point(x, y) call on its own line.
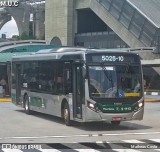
point(116, 118)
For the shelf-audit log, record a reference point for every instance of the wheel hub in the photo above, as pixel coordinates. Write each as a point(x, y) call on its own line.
point(65, 113)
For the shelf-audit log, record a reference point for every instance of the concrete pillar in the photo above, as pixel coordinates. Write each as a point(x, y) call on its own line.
point(4, 18)
point(39, 30)
point(21, 14)
point(59, 16)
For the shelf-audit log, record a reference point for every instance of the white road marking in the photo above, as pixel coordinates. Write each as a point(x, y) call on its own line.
point(87, 150)
point(155, 140)
point(81, 147)
point(96, 135)
point(11, 150)
point(132, 141)
point(134, 133)
point(100, 142)
point(126, 150)
point(50, 150)
point(85, 135)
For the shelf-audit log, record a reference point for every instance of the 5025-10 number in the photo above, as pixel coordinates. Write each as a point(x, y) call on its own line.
point(112, 58)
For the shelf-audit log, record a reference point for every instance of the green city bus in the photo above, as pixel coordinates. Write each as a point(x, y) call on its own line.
point(80, 84)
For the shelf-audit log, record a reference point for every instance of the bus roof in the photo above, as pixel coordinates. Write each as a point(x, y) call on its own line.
point(58, 53)
point(74, 49)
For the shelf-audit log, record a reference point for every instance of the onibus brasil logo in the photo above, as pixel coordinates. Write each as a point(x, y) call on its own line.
point(9, 3)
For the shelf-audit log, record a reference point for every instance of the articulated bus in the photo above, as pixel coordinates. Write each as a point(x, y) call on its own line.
point(79, 84)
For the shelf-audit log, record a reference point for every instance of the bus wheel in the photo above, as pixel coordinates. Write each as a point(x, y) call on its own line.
point(26, 105)
point(66, 115)
point(115, 123)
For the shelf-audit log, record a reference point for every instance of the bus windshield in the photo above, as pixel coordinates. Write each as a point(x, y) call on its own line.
point(119, 81)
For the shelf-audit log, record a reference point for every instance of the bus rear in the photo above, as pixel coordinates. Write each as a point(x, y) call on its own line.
point(114, 90)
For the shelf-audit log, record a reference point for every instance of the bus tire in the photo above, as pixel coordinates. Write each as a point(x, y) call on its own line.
point(115, 123)
point(66, 115)
point(26, 105)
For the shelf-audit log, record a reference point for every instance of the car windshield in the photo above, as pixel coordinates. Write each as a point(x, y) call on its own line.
point(114, 81)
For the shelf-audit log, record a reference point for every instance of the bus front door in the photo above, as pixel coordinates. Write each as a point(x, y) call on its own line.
point(77, 91)
point(18, 84)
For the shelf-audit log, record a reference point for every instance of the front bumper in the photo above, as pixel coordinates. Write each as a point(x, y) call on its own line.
point(91, 115)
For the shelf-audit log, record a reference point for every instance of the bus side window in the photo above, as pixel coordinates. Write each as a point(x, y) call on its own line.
point(67, 81)
point(59, 83)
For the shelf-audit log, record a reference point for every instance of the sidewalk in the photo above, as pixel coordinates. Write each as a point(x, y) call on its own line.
point(152, 97)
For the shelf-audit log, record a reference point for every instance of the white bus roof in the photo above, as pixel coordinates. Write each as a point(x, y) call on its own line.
point(58, 53)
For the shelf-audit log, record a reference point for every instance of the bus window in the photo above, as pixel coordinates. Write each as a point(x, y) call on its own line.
point(59, 79)
point(67, 78)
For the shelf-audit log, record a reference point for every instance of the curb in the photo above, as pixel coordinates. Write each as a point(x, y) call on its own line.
point(151, 100)
point(5, 100)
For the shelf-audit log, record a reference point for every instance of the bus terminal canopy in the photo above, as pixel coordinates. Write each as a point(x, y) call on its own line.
point(7, 54)
point(6, 57)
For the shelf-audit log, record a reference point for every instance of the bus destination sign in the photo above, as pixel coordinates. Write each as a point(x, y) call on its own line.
point(112, 58)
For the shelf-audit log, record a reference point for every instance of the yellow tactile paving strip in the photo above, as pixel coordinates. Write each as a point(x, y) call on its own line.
point(152, 100)
point(5, 100)
point(146, 100)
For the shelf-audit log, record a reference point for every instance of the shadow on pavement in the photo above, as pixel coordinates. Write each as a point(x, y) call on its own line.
point(107, 126)
point(92, 126)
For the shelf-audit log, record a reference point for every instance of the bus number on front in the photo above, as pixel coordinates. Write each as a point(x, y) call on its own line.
point(112, 58)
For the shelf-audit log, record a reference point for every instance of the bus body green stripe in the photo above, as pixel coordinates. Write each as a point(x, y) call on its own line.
point(38, 102)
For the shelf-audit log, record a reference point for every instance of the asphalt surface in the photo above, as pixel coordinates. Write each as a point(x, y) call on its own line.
point(16, 126)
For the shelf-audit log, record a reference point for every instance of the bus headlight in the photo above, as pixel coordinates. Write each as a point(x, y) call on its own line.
point(92, 107)
point(140, 105)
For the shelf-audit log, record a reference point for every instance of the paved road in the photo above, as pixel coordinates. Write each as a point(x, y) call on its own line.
point(17, 127)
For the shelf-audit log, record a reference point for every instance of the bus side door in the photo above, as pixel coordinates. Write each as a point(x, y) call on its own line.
point(78, 90)
point(18, 83)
